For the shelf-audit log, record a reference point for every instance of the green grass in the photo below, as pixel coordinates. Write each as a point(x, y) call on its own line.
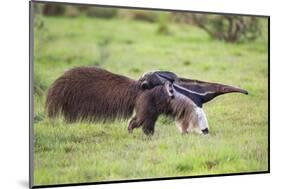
point(83, 152)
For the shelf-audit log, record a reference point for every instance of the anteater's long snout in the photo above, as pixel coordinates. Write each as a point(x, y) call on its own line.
point(230, 89)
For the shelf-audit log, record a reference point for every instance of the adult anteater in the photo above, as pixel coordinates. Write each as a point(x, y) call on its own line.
point(94, 94)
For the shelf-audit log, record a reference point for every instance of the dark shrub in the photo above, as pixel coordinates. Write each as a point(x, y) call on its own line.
point(53, 9)
point(163, 26)
point(72, 11)
point(229, 28)
point(147, 16)
point(182, 17)
point(101, 12)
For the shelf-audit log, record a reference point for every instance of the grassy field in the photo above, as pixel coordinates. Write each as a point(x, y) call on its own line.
point(82, 152)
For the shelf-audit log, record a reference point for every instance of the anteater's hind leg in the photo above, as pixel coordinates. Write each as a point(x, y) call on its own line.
point(201, 121)
point(196, 121)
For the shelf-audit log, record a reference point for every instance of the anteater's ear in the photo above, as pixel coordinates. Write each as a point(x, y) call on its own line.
point(169, 89)
point(168, 76)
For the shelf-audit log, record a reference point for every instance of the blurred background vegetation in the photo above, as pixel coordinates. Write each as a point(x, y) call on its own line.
point(225, 28)
point(229, 28)
point(227, 49)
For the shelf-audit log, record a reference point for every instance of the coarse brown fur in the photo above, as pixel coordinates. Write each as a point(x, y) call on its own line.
point(92, 94)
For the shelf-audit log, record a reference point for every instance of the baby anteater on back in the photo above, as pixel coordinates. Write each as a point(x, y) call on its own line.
point(156, 101)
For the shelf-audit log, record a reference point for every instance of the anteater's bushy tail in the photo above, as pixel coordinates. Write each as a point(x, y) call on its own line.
point(92, 94)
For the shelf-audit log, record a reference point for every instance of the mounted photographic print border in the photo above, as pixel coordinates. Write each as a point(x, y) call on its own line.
point(187, 63)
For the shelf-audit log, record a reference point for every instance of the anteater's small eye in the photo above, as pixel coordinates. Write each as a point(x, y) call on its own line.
point(144, 85)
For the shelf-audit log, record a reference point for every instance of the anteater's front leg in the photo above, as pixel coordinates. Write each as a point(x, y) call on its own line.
point(146, 111)
point(144, 117)
point(147, 123)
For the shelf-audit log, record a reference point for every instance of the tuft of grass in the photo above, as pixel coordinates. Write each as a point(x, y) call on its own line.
point(186, 63)
point(40, 85)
